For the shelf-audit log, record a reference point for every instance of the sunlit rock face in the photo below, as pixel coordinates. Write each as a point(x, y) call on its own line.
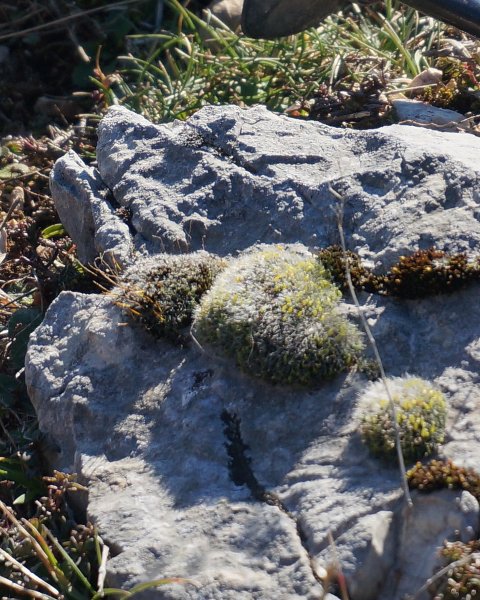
point(199, 470)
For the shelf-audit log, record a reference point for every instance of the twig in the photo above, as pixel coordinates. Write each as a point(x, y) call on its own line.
point(13, 206)
point(23, 569)
point(338, 569)
point(72, 35)
point(373, 344)
point(444, 571)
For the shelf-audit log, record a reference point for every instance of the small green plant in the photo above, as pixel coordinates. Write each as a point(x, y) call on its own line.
point(276, 313)
point(418, 275)
point(200, 61)
point(461, 576)
point(443, 474)
point(162, 292)
point(420, 412)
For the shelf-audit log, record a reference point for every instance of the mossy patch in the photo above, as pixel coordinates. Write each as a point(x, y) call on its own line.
point(443, 474)
point(420, 413)
point(163, 291)
point(275, 311)
point(420, 274)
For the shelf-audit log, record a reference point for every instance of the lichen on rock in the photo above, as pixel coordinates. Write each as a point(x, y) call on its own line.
point(421, 413)
point(275, 311)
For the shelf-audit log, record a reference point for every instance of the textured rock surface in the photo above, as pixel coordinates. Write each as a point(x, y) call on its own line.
point(229, 178)
point(81, 200)
point(424, 113)
point(154, 428)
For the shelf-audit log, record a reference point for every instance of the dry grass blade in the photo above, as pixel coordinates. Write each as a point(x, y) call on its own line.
point(439, 574)
point(102, 569)
point(38, 548)
point(373, 344)
point(19, 589)
point(28, 574)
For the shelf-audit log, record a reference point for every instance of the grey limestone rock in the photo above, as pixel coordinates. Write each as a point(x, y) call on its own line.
point(424, 113)
point(81, 200)
point(228, 11)
point(229, 178)
point(144, 423)
point(195, 470)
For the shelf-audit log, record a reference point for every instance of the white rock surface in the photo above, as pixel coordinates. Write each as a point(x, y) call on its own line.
point(81, 200)
point(145, 422)
point(424, 113)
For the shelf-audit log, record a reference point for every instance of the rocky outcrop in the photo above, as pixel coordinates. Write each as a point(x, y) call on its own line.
point(199, 471)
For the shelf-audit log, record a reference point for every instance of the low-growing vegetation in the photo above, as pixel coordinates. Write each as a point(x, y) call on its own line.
point(420, 416)
point(170, 65)
point(418, 275)
point(163, 292)
point(276, 313)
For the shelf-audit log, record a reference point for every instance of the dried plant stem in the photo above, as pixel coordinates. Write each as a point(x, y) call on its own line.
point(373, 344)
point(13, 206)
point(338, 569)
point(444, 571)
point(31, 576)
point(66, 19)
point(24, 591)
point(38, 548)
point(102, 569)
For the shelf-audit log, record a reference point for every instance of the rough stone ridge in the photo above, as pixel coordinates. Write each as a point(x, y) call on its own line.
point(81, 200)
point(197, 471)
point(229, 178)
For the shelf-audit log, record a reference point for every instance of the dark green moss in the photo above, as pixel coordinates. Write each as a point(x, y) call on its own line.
point(423, 273)
point(440, 474)
point(163, 292)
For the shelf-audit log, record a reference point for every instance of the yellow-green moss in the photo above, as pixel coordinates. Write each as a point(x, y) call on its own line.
point(275, 311)
point(421, 414)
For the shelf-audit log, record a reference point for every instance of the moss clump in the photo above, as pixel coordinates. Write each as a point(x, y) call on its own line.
point(421, 415)
point(423, 273)
point(276, 313)
point(462, 581)
point(162, 292)
point(333, 259)
point(440, 474)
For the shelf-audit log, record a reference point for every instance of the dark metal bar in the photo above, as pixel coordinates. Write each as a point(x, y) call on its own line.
point(276, 18)
point(464, 14)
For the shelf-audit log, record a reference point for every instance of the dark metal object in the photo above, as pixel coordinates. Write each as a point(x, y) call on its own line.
point(275, 18)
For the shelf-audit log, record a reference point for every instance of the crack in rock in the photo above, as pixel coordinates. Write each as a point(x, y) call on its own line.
point(241, 473)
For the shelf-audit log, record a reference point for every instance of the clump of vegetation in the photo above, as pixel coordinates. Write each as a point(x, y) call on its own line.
point(33, 562)
point(335, 73)
point(422, 273)
point(333, 259)
point(162, 292)
point(276, 313)
point(462, 579)
point(440, 474)
point(420, 413)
